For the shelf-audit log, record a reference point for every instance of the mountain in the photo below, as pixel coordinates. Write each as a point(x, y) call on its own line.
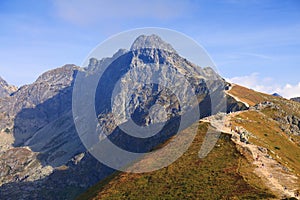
point(40, 140)
point(150, 56)
point(297, 99)
point(276, 95)
point(42, 155)
point(40, 134)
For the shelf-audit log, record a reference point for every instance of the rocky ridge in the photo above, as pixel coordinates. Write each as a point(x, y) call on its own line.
point(297, 99)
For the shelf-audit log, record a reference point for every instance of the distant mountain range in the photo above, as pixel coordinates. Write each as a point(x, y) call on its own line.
point(297, 99)
point(42, 156)
point(276, 95)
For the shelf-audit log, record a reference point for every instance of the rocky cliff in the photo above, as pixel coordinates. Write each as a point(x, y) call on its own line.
point(5, 88)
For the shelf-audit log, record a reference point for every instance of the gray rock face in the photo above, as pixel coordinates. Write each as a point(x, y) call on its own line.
point(243, 133)
point(135, 94)
point(20, 164)
point(22, 110)
point(39, 118)
point(265, 105)
point(291, 125)
point(5, 88)
point(36, 105)
point(44, 88)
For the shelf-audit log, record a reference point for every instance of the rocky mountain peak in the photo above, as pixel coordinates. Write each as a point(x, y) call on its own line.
point(5, 88)
point(151, 41)
point(95, 64)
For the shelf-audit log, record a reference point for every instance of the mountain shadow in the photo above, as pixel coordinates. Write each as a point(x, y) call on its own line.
point(49, 129)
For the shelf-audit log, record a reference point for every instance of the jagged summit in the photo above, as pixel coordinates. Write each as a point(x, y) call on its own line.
point(141, 42)
point(151, 41)
point(3, 83)
point(5, 88)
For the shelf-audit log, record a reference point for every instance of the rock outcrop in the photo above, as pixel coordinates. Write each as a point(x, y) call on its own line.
point(290, 124)
point(297, 99)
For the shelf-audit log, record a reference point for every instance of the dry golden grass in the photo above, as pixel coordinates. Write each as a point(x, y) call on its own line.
point(247, 95)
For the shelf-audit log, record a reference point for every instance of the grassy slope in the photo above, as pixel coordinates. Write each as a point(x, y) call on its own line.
point(284, 148)
point(266, 116)
point(247, 95)
point(218, 176)
point(268, 134)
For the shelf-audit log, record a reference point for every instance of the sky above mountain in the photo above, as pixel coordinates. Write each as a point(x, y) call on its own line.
point(253, 42)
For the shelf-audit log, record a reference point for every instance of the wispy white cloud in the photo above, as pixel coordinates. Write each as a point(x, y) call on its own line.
point(86, 12)
point(257, 55)
point(267, 85)
point(254, 81)
point(289, 90)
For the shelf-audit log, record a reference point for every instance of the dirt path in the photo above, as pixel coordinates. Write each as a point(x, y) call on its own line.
point(274, 175)
point(270, 171)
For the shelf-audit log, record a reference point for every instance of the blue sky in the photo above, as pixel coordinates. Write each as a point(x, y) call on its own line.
point(253, 42)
